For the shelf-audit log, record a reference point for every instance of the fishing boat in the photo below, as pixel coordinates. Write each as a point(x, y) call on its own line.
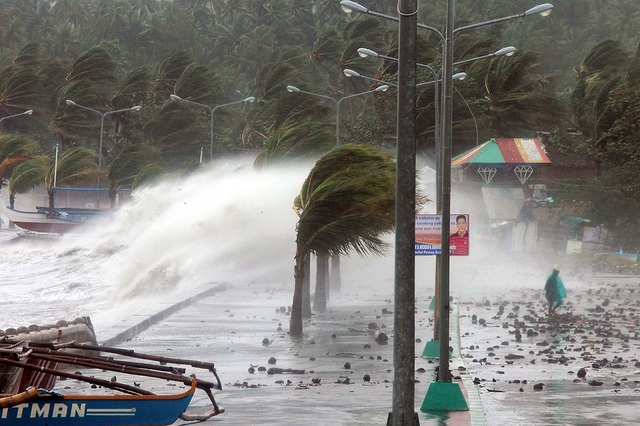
point(51, 220)
point(116, 403)
point(40, 407)
point(15, 379)
point(73, 207)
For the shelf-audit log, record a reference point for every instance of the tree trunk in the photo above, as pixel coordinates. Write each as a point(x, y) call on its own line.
point(306, 288)
point(295, 323)
point(112, 198)
point(334, 276)
point(51, 194)
point(320, 298)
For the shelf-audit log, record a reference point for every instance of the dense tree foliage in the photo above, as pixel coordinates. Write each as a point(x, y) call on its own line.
point(112, 54)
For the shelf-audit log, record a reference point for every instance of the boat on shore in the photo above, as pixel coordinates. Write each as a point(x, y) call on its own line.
point(106, 402)
point(14, 379)
point(73, 207)
point(52, 220)
point(38, 407)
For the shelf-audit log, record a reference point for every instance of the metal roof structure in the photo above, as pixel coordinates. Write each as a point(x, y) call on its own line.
point(521, 154)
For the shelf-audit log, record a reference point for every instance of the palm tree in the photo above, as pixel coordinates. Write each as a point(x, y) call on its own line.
point(127, 165)
point(176, 132)
point(16, 149)
point(599, 74)
point(149, 174)
point(519, 98)
point(75, 12)
point(90, 83)
point(20, 90)
point(27, 175)
point(295, 140)
point(75, 165)
point(346, 203)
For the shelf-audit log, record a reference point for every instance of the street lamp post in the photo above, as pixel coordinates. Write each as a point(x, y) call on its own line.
point(212, 111)
point(27, 112)
point(102, 116)
point(406, 105)
point(403, 412)
point(294, 89)
point(433, 345)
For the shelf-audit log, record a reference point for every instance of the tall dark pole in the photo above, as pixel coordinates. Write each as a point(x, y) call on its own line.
point(438, 144)
point(447, 110)
point(404, 315)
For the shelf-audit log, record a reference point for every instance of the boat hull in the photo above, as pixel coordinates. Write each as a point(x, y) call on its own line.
point(51, 221)
point(107, 410)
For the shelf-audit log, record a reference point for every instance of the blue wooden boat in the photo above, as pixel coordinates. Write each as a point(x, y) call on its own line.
point(45, 408)
point(130, 406)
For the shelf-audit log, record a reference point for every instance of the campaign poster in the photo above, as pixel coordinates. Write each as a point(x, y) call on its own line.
point(428, 239)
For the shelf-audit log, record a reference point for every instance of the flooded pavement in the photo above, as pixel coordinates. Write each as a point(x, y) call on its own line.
point(582, 368)
point(516, 367)
point(347, 375)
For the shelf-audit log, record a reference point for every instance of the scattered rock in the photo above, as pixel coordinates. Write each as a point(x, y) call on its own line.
point(381, 337)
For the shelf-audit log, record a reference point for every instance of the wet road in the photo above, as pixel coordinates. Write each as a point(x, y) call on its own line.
point(534, 379)
point(230, 329)
point(530, 380)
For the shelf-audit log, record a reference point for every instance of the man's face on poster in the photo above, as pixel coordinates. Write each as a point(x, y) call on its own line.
point(461, 223)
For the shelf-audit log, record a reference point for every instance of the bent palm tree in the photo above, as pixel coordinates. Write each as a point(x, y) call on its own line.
point(347, 202)
point(26, 176)
point(75, 165)
point(14, 150)
point(127, 165)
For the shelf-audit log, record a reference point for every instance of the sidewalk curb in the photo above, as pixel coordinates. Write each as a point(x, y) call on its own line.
point(134, 330)
point(475, 404)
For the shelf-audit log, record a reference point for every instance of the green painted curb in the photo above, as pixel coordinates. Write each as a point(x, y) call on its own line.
point(444, 396)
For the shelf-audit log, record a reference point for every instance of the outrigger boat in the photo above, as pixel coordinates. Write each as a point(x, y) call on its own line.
point(73, 207)
point(52, 220)
point(34, 406)
point(15, 379)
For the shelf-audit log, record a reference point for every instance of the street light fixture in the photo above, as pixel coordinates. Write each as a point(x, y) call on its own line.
point(212, 111)
point(382, 88)
point(27, 112)
point(363, 52)
point(543, 9)
point(505, 51)
point(102, 116)
point(351, 73)
point(404, 318)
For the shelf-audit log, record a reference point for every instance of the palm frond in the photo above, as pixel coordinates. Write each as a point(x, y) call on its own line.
point(29, 174)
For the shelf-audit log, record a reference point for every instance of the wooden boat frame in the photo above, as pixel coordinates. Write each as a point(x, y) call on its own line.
point(40, 357)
